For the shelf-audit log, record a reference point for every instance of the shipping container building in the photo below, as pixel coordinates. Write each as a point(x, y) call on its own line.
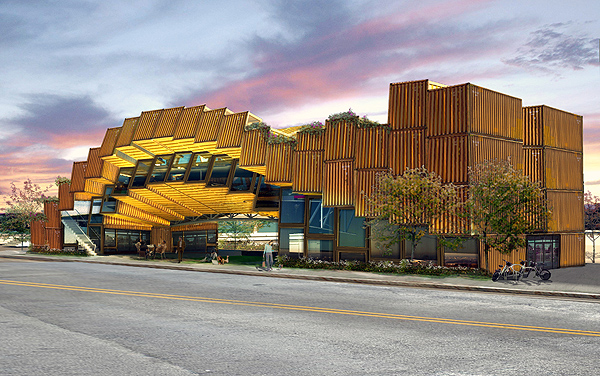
point(176, 172)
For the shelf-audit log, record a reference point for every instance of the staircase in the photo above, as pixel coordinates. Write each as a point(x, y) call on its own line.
point(83, 240)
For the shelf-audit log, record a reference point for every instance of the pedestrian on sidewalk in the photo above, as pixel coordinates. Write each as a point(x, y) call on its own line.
point(268, 255)
point(180, 249)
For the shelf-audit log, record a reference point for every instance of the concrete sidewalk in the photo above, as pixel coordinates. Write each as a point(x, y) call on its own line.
point(576, 282)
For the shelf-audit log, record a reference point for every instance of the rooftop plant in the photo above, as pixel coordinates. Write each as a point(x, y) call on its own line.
point(315, 128)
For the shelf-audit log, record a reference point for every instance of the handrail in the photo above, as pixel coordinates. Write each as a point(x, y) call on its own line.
point(81, 231)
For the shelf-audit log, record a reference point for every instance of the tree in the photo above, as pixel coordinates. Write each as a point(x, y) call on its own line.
point(240, 231)
point(24, 206)
point(591, 208)
point(504, 205)
point(408, 205)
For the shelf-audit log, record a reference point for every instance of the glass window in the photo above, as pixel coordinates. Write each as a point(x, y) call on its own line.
point(95, 235)
point(351, 232)
point(180, 164)
point(125, 175)
point(96, 218)
point(267, 190)
point(109, 204)
point(199, 167)
point(96, 204)
point(381, 241)
point(544, 250)
point(160, 168)
point(353, 256)
point(110, 238)
point(320, 249)
point(242, 180)
point(141, 172)
point(220, 171)
point(292, 207)
point(466, 254)
point(291, 240)
point(426, 249)
point(321, 218)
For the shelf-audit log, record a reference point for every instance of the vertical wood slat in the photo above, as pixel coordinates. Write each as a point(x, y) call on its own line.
point(120, 223)
point(307, 171)
point(366, 187)
point(449, 158)
point(77, 177)
point(209, 126)
point(279, 163)
point(165, 126)
point(188, 122)
point(110, 172)
point(567, 211)
point(307, 141)
point(133, 212)
point(66, 199)
point(407, 150)
point(253, 149)
point(372, 147)
point(339, 140)
point(496, 259)
point(158, 234)
point(547, 126)
point(489, 148)
point(126, 132)
point(94, 188)
point(232, 129)
point(407, 103)
point(572, 249)
point(109, 142)
point(53, 218)
point(563, 169)
point(338, 183)
point(147, 125)
point(534, 166)
point(38, 233)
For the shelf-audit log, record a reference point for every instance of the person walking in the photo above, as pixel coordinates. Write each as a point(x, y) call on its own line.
point(180, 248)
point(268, 255)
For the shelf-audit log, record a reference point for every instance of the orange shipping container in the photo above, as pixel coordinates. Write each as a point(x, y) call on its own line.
point(567, 211)
point(572, 249)
point(407, 104)
point(547, 126)
point(339, 140)
point(66, 199)
point(366, 186)
point(279, 164)
point(77, 177)
point(372, 147)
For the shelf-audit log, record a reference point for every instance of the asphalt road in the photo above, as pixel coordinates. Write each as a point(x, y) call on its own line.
point(85, 319)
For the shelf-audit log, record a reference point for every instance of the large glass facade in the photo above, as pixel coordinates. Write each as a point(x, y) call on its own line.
point(321, 249)
point(123, 241)
point(179, 166)
point(125, 175)
point(351, 229)
point(292, 207)
point(320, 219)
point(466, 254)
point(160, 168)
point(199, 167)
point(426, 249)
point(382, 242)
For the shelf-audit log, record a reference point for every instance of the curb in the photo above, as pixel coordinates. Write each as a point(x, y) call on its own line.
point(365, 281)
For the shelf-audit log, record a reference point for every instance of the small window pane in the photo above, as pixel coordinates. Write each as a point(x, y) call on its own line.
point(199, 167)
point(159, 170)
point(321, 218)
point(180, 164)
point(320, 249)
point(242, 180)
point(96, 204)
point(291, 240)
point(352, 233)
point(220, 171)
point(292, 207)
point(141, 173)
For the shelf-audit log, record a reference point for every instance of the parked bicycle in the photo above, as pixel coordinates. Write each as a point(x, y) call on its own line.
point(507, 271)
point(528, 267)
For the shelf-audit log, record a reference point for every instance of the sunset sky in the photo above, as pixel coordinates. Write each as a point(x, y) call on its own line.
point(71, 69)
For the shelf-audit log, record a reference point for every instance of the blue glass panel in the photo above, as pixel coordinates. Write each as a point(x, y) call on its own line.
point(321, 218)
point(292, 207)
point(199, 167)
point(242, 180)
point(180, 164)
point(351, 231)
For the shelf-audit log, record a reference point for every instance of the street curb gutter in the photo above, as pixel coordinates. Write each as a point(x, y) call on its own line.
point(365, 281)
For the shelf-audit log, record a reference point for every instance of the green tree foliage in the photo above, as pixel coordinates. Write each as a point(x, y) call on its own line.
point(504, 205)
point(591, 208)
point(24, 206)
point(408, 205)
point(240, 231)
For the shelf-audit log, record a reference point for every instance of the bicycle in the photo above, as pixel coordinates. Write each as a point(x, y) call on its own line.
point(507, 271)
point(528, 267)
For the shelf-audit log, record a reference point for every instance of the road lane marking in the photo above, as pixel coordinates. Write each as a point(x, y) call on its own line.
point(302, 308)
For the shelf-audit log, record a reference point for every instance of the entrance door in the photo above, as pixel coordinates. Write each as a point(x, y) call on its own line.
point(544, 250)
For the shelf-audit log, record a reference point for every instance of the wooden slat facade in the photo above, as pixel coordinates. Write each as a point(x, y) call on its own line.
point(567, 211)
point(146, 125)
point(339, 140)
point(372, 147)
point(253, 149)
point(78, 177)
point(109, 142)
point(66, 199)
point(167, 122)
point(188, 122)
point(338, 183)
point(547, 126)
point(407, 104)
point(126, 132)
point(232, 129)
point(307, 172)
point(279, 164)
point(572, 249)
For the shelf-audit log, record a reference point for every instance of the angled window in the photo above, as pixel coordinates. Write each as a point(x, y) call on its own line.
point(179, 167)
point(199, 167)
point(242, 180)
point(220, 171)
point(292, 207)
point(109, 203)
point(125, 177)
point(141, 173)
point(160, 169)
